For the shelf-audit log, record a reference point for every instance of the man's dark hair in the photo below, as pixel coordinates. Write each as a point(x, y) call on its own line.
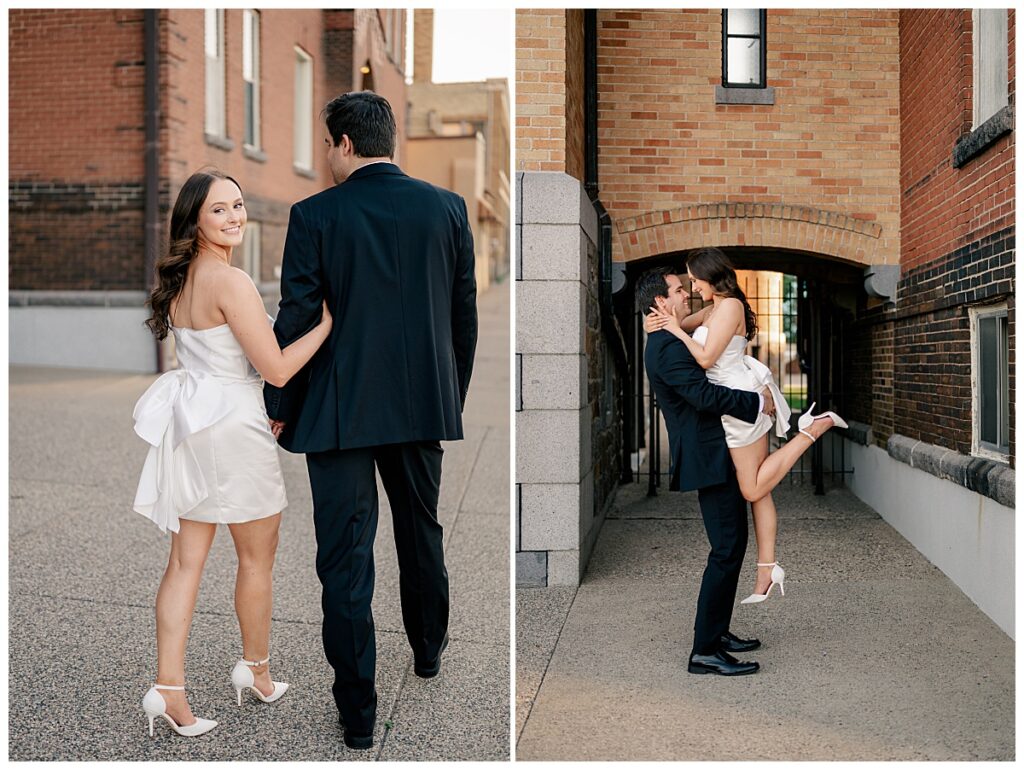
point(367, 119)
point(650, 285)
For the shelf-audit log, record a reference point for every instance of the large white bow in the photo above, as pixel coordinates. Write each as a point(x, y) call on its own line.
point(177, 405)
point(764, 377)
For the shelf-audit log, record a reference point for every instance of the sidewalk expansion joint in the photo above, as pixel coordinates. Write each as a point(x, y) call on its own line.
point(543, 676)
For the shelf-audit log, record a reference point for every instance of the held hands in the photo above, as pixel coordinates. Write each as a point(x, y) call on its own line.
point(276, 426)
point(769, 402)
point(658, 319)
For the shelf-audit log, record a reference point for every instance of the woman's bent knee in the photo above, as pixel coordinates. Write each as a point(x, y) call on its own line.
point(751, 493)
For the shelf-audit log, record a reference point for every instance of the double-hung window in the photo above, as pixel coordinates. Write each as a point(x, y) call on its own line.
point(303, 122)
point(990, 63)
point(252, 251)
point(251, 76)
point(743, 48)
point(991, 381)
point(215, 123)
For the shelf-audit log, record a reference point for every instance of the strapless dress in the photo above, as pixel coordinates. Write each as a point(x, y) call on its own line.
point(734, 369)
point(212, 456)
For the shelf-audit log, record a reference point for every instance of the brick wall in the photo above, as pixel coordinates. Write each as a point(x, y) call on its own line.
point(388, 71)
point(575, 130)
point(269, 181)
point(76, 149)
point(945, 208)
point(423, 45)
point(77, 193)
point(540, 90)
point(958, 248)
point(958, 226)
point(828, 145)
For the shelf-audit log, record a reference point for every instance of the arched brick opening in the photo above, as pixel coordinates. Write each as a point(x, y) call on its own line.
point(831, 289)
point(772, 226)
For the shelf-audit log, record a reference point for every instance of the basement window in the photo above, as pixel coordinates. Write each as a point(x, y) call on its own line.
point(990, 354)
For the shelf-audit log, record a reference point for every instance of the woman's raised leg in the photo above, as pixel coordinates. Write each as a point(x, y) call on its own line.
point(256, 546)
point(758, 472)
point(175, 602)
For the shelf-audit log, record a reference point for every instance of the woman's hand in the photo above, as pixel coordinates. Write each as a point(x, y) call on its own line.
point(328, 320)
point(658, 319)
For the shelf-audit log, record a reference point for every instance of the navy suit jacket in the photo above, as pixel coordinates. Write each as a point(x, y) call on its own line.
point(693, 408)
point(393, 257)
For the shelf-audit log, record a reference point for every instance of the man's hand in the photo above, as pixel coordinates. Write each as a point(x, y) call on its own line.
point(769, 402)
point(276, 426)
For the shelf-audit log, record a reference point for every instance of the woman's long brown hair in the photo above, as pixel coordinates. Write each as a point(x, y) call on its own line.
point(172, 267)
point(711, 265)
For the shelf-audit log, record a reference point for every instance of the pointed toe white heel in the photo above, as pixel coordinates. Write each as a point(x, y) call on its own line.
point(778, 578)
point(154, 705)
point(242, 678)
point(809, 417)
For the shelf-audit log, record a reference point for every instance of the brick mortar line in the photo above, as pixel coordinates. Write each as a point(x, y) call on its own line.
point(818, 217)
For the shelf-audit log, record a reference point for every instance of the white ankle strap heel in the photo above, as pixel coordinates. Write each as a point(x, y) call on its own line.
point(242, 678)
point(154, 705)
point(778, 577)
point(809, 417)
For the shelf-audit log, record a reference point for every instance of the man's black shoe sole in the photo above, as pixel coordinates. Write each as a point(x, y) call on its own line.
point(695, 669)
point(359, 742)
point(429, 673)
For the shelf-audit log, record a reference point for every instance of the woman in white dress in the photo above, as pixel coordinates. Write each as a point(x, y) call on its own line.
point(720, 332)
point(213, 455)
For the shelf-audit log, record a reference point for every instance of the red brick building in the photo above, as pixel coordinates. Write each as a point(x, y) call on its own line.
point(869, 154)
point(237, 89)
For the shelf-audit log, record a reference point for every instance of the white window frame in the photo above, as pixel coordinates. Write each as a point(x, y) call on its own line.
point(303, 122)
point(216, 119)
point(991, 66)
point(251, 73)
point(979, 449)
point(252, 250)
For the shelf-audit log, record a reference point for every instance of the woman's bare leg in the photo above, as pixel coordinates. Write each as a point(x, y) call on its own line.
point(759, 473)
point(175, 602)
point(766, 526)
point(747, 460)
point(256, 546)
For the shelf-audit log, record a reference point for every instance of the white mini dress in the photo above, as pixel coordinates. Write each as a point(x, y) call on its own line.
point(734, 369)
point(212, 456)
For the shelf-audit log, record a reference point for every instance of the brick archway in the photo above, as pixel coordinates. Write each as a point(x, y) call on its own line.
point(773, 225)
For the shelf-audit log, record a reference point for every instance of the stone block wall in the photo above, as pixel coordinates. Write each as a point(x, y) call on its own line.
point(567, 433)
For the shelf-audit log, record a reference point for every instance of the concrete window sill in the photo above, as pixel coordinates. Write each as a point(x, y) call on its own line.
point(254, 153)
point(725, 95)
point(220, 142)
point(984, 136)
point(303, 171)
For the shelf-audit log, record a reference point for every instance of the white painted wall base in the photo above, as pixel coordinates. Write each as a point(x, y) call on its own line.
point(968, 536)
point(81, 337)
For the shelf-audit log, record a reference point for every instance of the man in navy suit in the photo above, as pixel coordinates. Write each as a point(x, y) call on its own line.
point(693, 408)
point(393, 258)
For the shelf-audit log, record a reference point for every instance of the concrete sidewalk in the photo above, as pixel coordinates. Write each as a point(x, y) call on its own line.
point(873, 654)
point(84, 570)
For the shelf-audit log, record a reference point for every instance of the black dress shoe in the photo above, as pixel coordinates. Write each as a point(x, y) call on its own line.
point(431, 669)
point(732, 643)
point(722, 663)
point(355, 740)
